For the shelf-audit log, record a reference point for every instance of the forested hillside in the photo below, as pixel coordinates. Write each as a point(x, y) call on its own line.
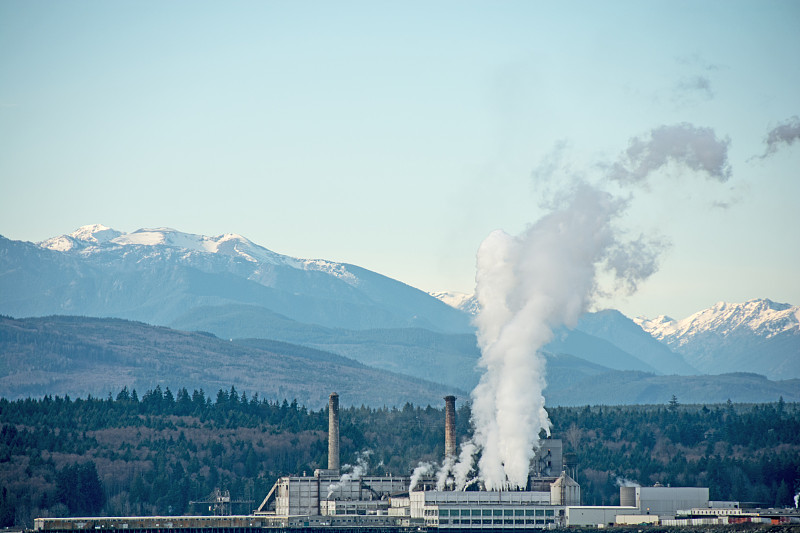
point(158, 452)
point(78, 356)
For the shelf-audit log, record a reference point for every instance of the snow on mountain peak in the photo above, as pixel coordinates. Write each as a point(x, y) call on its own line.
point(230, 244)
point(96, 233)
point(458, 300)
point(761, 317)
point(90, 235)
point(89, 239)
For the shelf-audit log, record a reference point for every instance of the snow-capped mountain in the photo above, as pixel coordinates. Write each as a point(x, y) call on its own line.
point(756, 336)
point(82, 237)
point(606, 337)
point(229, 286)
point(458, 300)
point(160, 275)
point(92, 239)
point(614, 327)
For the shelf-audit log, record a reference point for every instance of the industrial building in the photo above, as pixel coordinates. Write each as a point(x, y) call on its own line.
point(357, 502)
point(329, 493)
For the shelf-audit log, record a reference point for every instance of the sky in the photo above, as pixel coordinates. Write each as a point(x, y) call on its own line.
point(398, 135)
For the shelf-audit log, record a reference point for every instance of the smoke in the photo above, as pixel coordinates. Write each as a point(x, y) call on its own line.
point(786, 133)
point(635, 260)
point(455, 473)
point(622, 482)
point(444, 478)
point(797, 501)
point(526, 286)
point(356, 472)
point(695, 147)
point(422, 469)
point(530, 284)
point(697, 85)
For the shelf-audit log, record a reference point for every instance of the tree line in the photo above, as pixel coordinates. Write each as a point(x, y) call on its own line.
point(159, 453)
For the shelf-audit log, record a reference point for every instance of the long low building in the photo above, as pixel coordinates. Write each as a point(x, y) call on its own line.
point(185, 524)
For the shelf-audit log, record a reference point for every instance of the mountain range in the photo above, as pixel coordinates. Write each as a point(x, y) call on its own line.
point(232, 288)
point(757, 336)
point(60, 355)
point(157, 275)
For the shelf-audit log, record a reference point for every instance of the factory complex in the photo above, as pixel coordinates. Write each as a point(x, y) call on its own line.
point(332, 500)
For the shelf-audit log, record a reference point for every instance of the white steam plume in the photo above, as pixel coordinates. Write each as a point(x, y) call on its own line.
point(623, 482)
point(455, 474)
point(444, 478)
point(545, 278)
point(695, 147)
point(526, 286)
point(422, 469)
point(786, 133)
point(356, 472)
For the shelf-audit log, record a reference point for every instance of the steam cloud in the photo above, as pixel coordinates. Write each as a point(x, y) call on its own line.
point(455, 474)
point(786, 133)
point(530, 284)
point(422, 469)
point(527, 286)
point(696, 148)
point(695, 85)
point(361, 467)
point(623, 482)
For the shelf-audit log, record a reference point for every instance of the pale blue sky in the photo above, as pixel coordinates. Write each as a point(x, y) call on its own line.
point(397, 135)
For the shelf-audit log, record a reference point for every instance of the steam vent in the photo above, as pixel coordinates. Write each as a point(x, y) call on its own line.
point(333, 432)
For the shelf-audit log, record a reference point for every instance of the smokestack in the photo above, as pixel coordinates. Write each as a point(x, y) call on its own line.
point(450, 426)
point(333, 432)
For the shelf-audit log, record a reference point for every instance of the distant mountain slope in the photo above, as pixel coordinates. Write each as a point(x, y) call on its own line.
point(629, 388)
point(624, 333)
point(447, 358)
point(414, 351)
point(757, 336)
point(236, 289)
point(158, 275)
point(595, 350)
point(575, 374)
point(78, 356)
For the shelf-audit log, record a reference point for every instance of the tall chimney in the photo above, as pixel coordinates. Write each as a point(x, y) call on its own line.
point(333, 432)
point(449, 426)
